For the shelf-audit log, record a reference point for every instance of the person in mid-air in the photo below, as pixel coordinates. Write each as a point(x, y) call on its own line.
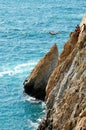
point(54, 33)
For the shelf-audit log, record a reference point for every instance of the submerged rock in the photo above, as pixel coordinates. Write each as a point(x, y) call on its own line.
point(66, 87)
point(35, 84)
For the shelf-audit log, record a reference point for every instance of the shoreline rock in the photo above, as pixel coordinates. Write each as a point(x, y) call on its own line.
point(35, 84)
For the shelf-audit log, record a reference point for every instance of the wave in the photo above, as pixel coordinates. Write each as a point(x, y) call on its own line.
point(31, 99)
point(32, 125)
point(18, 69)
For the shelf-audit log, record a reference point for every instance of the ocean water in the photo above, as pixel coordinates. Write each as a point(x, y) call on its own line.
point(24, 39)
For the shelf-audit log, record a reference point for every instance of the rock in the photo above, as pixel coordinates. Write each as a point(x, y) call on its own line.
point(81, 124)
point(65, 59)
point(66, 87)
point(35, 84)
point(83, 113)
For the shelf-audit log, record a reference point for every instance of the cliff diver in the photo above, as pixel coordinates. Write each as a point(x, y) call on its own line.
point(54, 33)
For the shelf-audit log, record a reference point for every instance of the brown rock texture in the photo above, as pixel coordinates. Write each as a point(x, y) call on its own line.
point(66, 87)
point(35, 84)
point(64, 59)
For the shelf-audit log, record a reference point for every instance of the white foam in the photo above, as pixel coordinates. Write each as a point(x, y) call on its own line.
point(18, 69)
point(39, 120)
point(32, 100)
point(33, 125)
point(43, 105)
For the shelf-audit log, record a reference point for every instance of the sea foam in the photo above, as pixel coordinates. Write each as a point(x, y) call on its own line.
point(32, 125)
point(18, 69)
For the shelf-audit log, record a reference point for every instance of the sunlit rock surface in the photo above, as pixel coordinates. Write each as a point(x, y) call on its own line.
point(66, 87)
point(35, 84)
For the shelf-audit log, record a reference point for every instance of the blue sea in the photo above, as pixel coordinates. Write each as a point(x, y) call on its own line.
point(24, 40)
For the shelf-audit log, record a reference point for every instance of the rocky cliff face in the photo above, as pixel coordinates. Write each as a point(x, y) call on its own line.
point(66, 87)
point(35, 84)
point(64, 60)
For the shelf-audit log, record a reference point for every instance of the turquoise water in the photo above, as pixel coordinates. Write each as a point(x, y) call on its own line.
point(24, 39)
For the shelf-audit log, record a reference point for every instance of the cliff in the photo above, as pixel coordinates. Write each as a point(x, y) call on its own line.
point(66, 87)
point(35, 84)
point(61, 82)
